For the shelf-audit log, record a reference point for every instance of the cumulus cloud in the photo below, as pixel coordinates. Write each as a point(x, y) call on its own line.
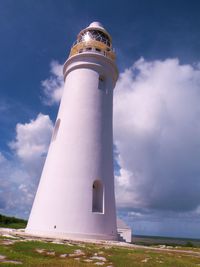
point(156, 132)
point(19, 175)
point(53, 86)
point(32, 140)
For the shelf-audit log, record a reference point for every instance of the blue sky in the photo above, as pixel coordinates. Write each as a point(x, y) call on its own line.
point(156, 103)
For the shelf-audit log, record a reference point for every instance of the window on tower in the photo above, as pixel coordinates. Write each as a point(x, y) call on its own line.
point(97, 196)
point(101, 85)
point(98, 50)
point(55, 131)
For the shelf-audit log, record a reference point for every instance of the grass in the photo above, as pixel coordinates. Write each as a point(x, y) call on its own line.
point(167, 241)
point(27, 253)
point(136, 258)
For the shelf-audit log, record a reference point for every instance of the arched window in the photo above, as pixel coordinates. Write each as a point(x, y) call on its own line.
point(101, 84)
point(55, 131)
point(97, 196)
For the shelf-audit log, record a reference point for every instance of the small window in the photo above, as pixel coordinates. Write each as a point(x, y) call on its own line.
point(101, 78)
point(98, 50)
point(97, 196)
point(55, 131)
point(88, 48)
point(101, 85)
point(80, 51)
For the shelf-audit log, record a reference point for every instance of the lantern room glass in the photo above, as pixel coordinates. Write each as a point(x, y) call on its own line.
point(94, 35)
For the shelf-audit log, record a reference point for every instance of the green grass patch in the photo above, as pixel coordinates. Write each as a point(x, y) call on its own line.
point(27, 253)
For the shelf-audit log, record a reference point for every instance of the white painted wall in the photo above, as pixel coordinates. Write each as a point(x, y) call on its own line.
point(124, 235)
point(80, 154)
point(124, 231)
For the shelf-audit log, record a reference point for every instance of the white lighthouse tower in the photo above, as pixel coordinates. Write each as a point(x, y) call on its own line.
point(75, 196)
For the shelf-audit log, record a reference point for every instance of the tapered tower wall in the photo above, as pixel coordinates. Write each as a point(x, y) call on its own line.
point(75, 197)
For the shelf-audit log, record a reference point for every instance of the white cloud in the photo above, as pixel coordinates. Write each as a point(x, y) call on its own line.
point(20, 174)
point(157, 135)
point(2, 158)
point(32, 139)
point(53, 86)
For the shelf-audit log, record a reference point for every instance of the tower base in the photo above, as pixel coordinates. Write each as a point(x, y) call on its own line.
point(71, 236)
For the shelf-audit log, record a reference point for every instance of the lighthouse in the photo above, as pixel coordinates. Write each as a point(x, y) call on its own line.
point(75, 196)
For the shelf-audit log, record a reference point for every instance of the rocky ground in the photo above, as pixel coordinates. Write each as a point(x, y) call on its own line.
point(18, 248)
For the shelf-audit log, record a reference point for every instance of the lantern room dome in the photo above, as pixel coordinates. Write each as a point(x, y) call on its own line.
point(96, 24)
